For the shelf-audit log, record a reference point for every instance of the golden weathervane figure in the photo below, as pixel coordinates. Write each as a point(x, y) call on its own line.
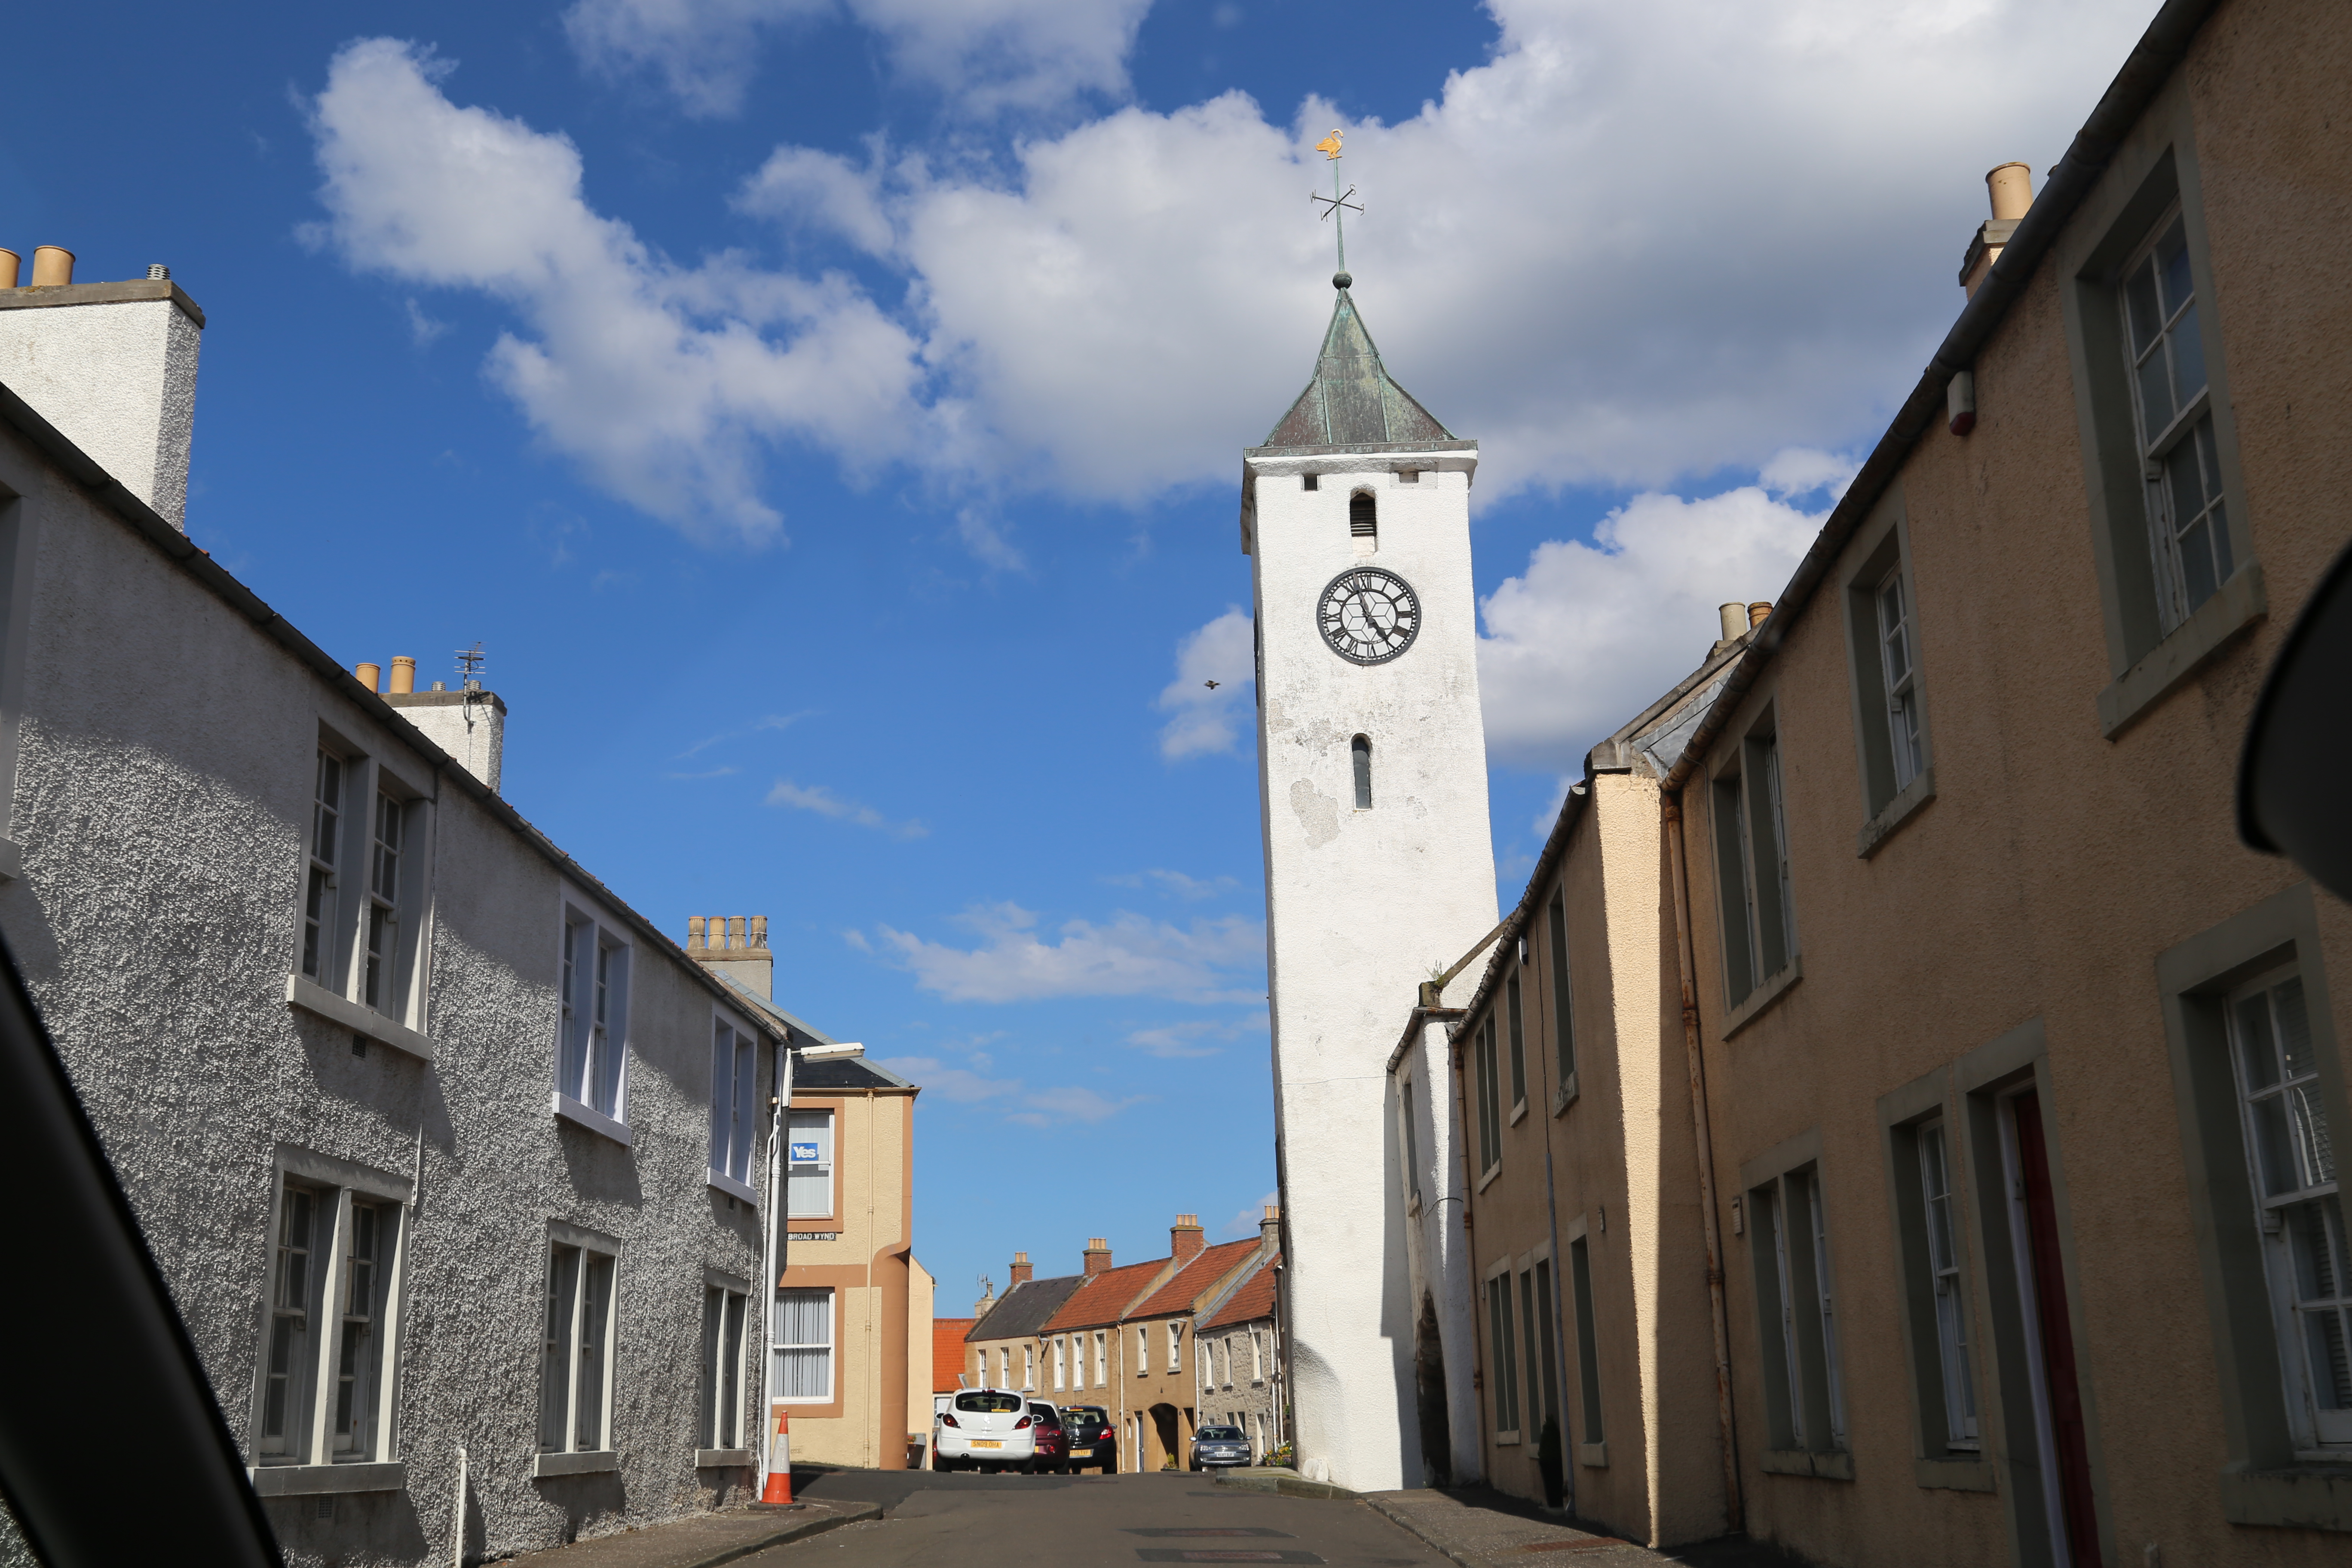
point(1336, 202)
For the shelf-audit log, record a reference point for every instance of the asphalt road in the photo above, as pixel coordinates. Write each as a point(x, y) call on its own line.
point(1053, 1521)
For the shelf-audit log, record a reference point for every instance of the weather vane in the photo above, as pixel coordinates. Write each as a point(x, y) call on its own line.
point(1336, 202)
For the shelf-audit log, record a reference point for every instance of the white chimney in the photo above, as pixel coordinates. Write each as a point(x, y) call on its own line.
point(469, 723)
point(113, 367)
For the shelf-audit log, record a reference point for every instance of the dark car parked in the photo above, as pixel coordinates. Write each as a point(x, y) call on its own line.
point(1052, 1440)
point(1088, 1438)
point(1220, 1448)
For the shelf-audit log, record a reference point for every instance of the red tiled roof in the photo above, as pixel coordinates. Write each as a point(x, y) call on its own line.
point(1253, 1301)
point(947, 1352)
point(1103, 1299)
point(1195, 1281)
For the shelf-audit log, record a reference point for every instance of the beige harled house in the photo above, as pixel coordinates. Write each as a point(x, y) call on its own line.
point(851, 1352)
point(1964, 1191)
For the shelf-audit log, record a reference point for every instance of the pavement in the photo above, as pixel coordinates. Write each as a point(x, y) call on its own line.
point(920, 1519)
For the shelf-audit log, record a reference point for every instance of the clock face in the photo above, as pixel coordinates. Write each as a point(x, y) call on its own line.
point(1369, 615)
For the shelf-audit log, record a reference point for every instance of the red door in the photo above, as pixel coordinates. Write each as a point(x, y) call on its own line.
point(2067, 1435)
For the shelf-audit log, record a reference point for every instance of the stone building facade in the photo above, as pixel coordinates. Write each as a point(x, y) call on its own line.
point(454, 1162)
point(1238, 1351)
point(1896, 1119)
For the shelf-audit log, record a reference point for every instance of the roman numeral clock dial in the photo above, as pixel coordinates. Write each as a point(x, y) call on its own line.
point(1368, 615)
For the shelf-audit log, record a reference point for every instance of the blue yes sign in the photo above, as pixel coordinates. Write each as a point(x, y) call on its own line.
point(804, 1152)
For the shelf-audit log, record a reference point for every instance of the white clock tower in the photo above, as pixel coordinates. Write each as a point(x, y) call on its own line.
point(1379, 865)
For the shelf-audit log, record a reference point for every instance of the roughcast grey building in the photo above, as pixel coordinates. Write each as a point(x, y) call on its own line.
point(455, 1166)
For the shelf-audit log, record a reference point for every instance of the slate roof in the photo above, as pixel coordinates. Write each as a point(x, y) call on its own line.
point(1251, 1302)
point(1104, 1301)
point(947, 1352)
point(1195, 1279)
point(1352, 400)
point(843, 1072)
point(1024, 1309)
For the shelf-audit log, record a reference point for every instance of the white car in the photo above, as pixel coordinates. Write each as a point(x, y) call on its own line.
point(987, 1429)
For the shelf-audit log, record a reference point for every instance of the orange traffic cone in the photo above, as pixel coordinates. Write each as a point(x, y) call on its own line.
point(780, 1454)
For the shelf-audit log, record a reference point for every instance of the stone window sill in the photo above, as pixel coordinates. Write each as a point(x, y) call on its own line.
point(545, 1464)
point(2235, 605)
point(1897, 812)
point(723, 1183)
point(1592, 1455)
point(1835, 1465)
point(1956, 1473)
point(1564, 1096)
point(1518, 1112)
point(1487, 1180)
point(320, 1002)
point(12, 861)
point(317, 1480)
point(1506, 1439)
point(567, 1109)
point(1761, 999)
point(2297, 1497)
point(721, 1458)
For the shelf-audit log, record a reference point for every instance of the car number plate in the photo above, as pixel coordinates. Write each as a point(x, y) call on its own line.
point(986, 1443)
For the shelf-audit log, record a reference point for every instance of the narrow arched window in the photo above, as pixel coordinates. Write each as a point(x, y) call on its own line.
point(1364, 516)
point(1361, 748)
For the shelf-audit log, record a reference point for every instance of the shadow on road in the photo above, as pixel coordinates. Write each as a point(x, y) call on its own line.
point(891, 1487)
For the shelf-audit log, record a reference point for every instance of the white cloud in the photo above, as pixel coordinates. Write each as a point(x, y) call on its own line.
point(1130, 955)
point(422, 329)
point(1177, 883)
point(667, 384)
point(1209, 719)
point(988, 55)
point(824, 803)
point(1246, 1222)
point(1188, 1039)
point(1743, 242)
point(1589, 635)
point(1031, 1108)
point(1802, 471)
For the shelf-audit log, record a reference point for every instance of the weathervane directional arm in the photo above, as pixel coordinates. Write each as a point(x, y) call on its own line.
point(1336, 205)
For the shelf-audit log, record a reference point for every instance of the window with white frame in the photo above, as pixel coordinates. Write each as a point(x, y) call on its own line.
point(1142, 1351)
point(723, 1311)
point(1938, 1209)
point(808, 1179)
point(2171, 406)
point(1061, 1363)
point(1102, 1360)
point(593, 997)
point(1258, 1359)
point(326, 1375)
point(576, 1350)
point(1797, 1312)
point(1898, 671)
point(362, 935)
point(1751, 837)
point(802, 1351)
point(2298, 1207)
point(1028, 1367)
point(1175, 1346)
point(734, 1111)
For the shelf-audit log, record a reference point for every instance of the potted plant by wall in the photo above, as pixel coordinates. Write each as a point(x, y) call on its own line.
point(1548, 1460)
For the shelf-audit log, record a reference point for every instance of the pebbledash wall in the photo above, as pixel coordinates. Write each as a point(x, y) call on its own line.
point(166, 733)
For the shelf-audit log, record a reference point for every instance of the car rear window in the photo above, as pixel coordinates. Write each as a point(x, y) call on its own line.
point(986, 1404)
point(1045, 1416)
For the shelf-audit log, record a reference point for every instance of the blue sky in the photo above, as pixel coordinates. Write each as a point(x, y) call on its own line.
point(826, 414)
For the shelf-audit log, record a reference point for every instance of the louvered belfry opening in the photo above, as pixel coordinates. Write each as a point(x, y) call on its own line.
point(1364, 516)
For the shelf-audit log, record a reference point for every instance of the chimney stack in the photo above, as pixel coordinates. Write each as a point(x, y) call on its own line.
point(2011, 186)
point(1757, 611)
point(111, 365)
point(1184, 1239)
point(1269, 1230)
point(1734, 618)
point(1020, 1271)
point(735, 946)
point(469, 723)
point(1097, 1256)
point(370, 676)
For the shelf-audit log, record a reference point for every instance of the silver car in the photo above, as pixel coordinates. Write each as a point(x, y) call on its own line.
point(1220, 1448)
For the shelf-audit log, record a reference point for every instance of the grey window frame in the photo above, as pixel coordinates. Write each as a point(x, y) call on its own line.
point(1503, 1356)
point(2269, 1477)
point(1515, 1011)
point(1563, 1000)
point(2154, 168)
point(734, 1107)
point(1942, 1458)
point(1749, 817)
point(1881, 553)
point(727, 1333)
point(1593, 1432)
point(596, 984)
point(578, 1350)
point(1359, 762)
point(1786, 1208)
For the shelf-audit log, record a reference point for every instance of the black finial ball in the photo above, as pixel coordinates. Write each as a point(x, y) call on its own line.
point(1341, 280)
